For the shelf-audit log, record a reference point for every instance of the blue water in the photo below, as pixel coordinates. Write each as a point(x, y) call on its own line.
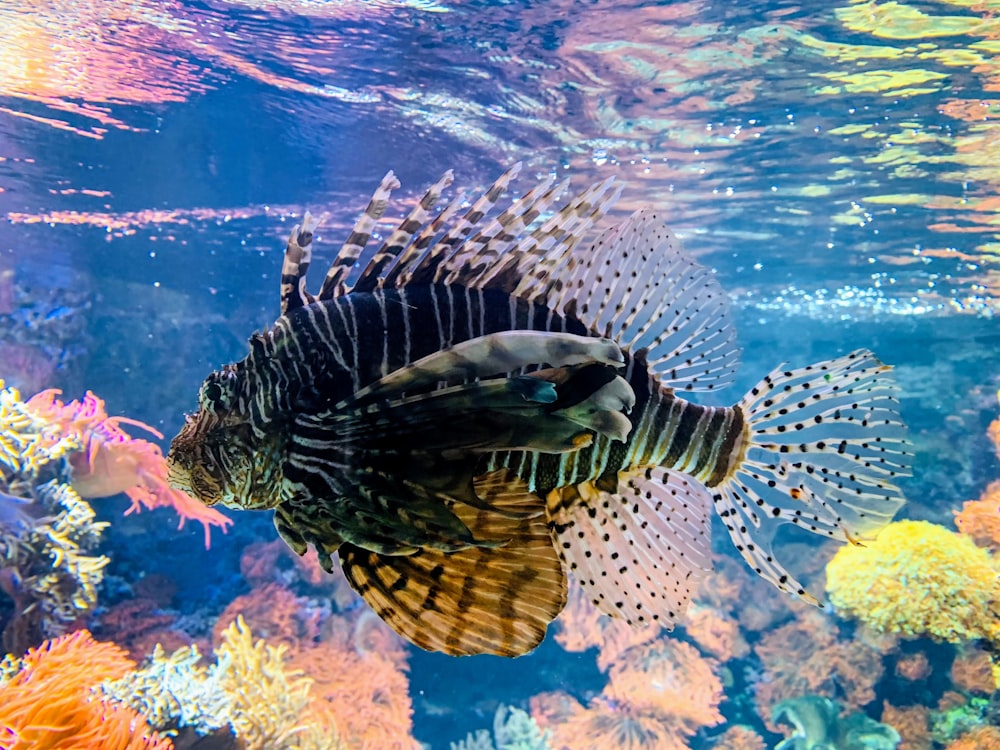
point(154, 155)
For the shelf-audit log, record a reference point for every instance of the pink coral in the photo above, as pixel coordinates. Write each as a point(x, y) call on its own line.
point(112, 461)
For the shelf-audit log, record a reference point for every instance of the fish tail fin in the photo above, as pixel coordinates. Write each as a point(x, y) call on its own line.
point(822, 447)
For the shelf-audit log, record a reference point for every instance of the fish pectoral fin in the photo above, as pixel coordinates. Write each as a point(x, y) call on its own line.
point(382, 513)
point(514, 413)
point(480, 600)
point(593, 396)
point(485, 357)
point(639, 552)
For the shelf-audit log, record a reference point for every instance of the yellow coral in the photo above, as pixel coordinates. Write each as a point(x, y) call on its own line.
point(26, 442)
point(918, 578)
point(250, 688)
point(267, 698)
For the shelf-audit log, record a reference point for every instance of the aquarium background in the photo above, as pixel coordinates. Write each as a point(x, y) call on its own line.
point(838, 164)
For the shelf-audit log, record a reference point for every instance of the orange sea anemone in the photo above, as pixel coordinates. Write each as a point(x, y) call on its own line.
point(112, 461)
point(658, 695)
point(48, 703)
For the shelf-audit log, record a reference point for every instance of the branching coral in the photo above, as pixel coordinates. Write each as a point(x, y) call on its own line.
point(47, 703)
point(249, 689)
point(918, 578)
point(274, 613)
point(253, 674)
point(110, 461)
point(174, 691)
point(56, 578)
point(48, 531)
point(27, 443)
point(513, 729)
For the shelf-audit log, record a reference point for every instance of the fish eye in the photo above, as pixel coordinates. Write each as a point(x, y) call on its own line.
point(217, 392)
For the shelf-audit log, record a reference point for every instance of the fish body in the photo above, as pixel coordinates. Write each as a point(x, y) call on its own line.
point(491, 403)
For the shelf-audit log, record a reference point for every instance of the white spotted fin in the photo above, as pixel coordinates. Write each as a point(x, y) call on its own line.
point(640, 550)
point(822, 448)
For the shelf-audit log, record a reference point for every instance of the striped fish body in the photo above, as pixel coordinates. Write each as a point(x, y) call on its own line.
point(488, 406)
point(295, 402)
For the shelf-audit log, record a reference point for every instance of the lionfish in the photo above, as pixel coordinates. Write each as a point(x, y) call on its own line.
point(488, 405)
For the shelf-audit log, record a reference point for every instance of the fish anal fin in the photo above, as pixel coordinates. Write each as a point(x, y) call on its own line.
point(639, 552)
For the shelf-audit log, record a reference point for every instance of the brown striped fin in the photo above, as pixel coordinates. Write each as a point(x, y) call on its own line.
point(400, 273)
point(430, 265)
point(639, 550)
point(402, 235)
point(476, 601)
point(335, 283)
point(480, 253)
point(298, 253)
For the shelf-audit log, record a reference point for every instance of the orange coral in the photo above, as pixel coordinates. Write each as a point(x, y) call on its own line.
point(980, 519)
point(273, 613)
point(365, 698)
point(581, 626)
point(912, 723)
point(972, 671)
point(112, 461)
point(716, 633)
point(657, 695)
point(980, 738)
point(993, 433)
point(915, 666)
point(739, 737)
point(48, 704)
point(806, 656)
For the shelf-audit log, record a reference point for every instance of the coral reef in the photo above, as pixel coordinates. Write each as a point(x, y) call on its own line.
point(249, 689)
point(980, 519)
point(809, 656)
point(266, 700)
point(366, 698)
point(918, 578)
point(52, 579)
point(138, 625)
point(739, 737)
point(513, 729)
point(174, 691)
point(658, 695)
point(980, 738)
point(274, 613)
point(817, 722)
point(47, 700)
point(48, 531)
point(912, 723)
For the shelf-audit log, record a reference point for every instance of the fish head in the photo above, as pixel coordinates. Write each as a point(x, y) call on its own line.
point(218, 458)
